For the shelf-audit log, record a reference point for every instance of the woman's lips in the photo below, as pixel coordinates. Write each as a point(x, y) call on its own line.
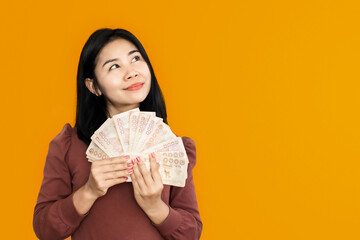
point(135, 86)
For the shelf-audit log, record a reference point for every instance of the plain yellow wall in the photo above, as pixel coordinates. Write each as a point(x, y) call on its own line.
point(269, 91)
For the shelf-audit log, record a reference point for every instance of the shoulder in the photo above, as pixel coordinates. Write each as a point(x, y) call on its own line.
point(190, 148)
point(64, 135)
point(62, 141)
point(188, 143)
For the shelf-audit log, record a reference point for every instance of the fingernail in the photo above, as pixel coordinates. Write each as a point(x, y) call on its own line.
point(129, 164)
point(126, 156)
point(130, 171)
point(133, 161)
point(138, 159)
point(153, 155)
point(126, 178)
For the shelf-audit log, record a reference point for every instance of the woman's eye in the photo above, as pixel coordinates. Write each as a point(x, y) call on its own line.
point(137, 57)
point(112, 66)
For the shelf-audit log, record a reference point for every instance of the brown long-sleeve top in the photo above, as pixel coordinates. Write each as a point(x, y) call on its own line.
point(116, 215)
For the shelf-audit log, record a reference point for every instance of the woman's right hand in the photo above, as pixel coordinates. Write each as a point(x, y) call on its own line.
point(106, 173)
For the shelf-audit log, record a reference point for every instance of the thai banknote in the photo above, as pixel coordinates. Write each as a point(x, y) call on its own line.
point(107, 139)
point(138, 133)
point(122, 126)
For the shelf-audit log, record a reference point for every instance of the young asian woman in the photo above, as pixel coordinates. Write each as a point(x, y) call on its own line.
point(87, 200)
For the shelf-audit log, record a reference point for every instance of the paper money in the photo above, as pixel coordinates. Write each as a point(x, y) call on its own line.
point(141, 127)
point(138, 133)
point(175, 144)
point(95, 153)
point(173, 166)
point(134, 118)
point(149, 128)
point(107, 139)
point(121, 122)
point(159, 134)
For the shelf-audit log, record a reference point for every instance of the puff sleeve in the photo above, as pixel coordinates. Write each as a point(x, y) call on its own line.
point(183, 221)
point(55, 216)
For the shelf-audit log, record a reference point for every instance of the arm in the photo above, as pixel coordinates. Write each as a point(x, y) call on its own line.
point(59, 211)
point(183, 221)
point(55, 216)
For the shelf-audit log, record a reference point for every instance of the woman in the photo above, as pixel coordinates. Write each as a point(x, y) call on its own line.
point(92, 200)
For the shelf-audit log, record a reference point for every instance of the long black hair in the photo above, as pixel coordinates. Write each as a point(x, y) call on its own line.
point(91, 110)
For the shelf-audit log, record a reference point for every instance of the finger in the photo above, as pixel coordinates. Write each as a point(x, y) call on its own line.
point(154, 168)
point(111, 182)
point(120, 159)
point(146, 174)
point(116, 174)
point(113, 167)
point(135, 183)
point(138, 177)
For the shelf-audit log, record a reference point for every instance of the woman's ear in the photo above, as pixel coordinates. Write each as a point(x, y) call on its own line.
point(90, 85)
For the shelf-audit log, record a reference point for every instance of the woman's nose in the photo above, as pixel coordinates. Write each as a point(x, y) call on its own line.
point(131, 74)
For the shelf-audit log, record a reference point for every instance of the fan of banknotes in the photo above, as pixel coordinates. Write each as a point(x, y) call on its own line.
point(138, 133)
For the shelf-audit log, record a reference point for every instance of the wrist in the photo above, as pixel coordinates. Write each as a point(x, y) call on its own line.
point(88, 193)
point(158, 212)
point(83, 199)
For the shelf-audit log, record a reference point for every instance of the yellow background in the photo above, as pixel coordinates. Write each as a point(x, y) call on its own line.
point(269, 91)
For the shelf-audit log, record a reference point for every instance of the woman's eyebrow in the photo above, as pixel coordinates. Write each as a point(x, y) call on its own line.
point(114, 59)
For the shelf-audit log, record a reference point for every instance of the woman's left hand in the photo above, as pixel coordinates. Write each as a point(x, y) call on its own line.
point(148, 187)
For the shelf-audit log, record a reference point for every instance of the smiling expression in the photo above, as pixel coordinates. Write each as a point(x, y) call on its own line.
point(123, 75)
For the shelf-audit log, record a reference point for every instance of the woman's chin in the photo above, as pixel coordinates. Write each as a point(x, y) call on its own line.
point(135, 100)
point(137, 96)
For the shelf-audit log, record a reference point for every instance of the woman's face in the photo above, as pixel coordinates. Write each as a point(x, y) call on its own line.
point(123, 76)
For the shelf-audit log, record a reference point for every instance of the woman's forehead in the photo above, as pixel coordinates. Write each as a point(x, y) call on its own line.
point(117, 47)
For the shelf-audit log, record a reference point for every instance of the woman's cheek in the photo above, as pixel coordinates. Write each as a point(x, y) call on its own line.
point(113, 84)
point(112, 89)
point(144, 69)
